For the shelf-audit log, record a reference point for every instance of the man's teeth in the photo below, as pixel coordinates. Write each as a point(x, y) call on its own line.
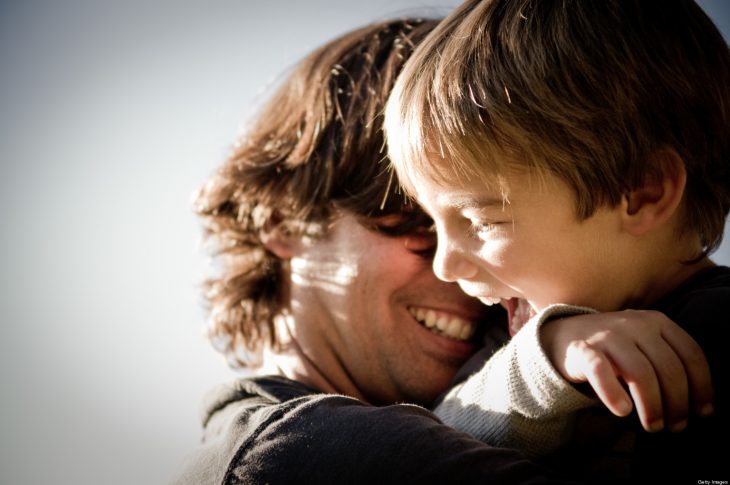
point(443, 323)
point(490, 300)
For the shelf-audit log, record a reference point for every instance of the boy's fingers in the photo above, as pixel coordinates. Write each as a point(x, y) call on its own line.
point(587, 364)
point(695, 365)
point(645, 409)
point(602, 377)
point(673, 383)
point(641, 378)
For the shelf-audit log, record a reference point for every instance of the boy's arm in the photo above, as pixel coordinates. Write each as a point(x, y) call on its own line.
point(643, 353)
point(517, 398)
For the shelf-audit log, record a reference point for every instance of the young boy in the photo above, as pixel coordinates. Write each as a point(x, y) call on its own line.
point(578, 153)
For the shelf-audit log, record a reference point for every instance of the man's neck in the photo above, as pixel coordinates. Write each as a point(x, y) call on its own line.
point(293, 362)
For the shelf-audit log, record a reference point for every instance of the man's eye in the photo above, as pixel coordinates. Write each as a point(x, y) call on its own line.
point(421, 243)
point(416, 223)
point(426, 229)
point(391, 221)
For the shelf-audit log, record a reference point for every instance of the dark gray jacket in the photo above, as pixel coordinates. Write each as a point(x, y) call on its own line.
point(274, 430)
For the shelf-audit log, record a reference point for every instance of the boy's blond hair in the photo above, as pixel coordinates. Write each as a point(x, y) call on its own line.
point(592, 92)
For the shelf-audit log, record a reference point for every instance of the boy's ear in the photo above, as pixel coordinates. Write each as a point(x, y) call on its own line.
point(652, 204)
point(277, 239)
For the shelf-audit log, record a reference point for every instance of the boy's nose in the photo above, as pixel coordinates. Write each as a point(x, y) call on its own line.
point(449, 263)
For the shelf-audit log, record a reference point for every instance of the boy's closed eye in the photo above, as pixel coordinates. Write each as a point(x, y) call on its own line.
point(478, 228)
point(482, 222)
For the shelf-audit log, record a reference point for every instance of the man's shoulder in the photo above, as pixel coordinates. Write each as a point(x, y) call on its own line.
point(295, 417)
point(278, 402)
point(278, 431)
point(252, 391)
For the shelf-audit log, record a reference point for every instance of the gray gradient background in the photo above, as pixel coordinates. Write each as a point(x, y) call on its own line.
point(111, 114)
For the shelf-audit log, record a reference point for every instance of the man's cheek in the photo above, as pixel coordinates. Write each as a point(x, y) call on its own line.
point(420, 243)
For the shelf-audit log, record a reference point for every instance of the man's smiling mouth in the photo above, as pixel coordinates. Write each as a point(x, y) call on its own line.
point(443, 323)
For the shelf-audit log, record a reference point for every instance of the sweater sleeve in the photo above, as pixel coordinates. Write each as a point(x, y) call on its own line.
point(517, 399)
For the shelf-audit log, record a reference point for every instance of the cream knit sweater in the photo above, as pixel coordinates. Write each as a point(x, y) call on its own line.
point(517, 399)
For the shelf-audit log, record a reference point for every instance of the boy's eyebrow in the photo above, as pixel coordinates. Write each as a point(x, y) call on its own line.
point(468, 202)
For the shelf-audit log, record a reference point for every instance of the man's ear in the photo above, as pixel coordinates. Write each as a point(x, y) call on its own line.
point(652, 204)
point(278, 239)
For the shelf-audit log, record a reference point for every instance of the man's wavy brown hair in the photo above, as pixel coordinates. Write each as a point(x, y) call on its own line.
point(315, 148)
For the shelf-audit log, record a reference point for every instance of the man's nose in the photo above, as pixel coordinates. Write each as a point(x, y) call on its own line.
point(450, 263)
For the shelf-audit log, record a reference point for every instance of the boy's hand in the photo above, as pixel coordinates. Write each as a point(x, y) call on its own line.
point(663, 367)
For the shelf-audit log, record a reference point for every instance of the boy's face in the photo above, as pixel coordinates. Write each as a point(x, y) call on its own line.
point(524, 240)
